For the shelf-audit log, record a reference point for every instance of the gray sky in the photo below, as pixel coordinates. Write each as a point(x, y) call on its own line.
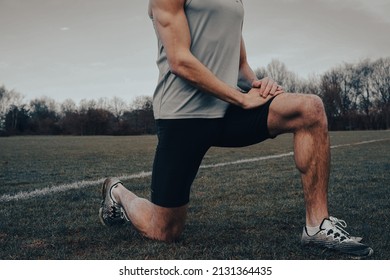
point(87, 49)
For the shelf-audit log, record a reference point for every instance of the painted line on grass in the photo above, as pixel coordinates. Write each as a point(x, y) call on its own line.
point(87, 183)
point(66, 187)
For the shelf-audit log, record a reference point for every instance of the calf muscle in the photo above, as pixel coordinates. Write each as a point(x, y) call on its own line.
point(304, 115)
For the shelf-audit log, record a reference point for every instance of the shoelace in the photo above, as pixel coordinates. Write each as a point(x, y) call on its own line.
point(114, 213)
point(340, 225)
point(118, 212)
point(124, 215)
point(336, 221)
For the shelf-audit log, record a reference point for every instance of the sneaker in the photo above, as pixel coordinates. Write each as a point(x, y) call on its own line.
point(332, 236)
point(111, 212)
point(342, 223)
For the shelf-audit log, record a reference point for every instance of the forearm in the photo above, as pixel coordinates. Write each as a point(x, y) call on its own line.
point(246, 77)
point(198, 75)
point(193, 71)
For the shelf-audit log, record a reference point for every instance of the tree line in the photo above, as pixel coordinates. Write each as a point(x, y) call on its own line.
point(44, 116)
point(355, 95)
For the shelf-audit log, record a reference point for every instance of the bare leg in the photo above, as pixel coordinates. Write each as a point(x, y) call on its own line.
point(304, 115)
point(151, 220)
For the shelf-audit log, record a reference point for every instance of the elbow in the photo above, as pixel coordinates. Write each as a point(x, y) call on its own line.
point(177, 67)
point(180, 65)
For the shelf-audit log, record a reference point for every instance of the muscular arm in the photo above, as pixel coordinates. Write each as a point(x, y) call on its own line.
point(173, 31)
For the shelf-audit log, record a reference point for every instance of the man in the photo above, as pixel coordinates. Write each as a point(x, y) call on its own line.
point(197, 105)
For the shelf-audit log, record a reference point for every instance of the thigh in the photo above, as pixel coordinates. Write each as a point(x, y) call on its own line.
point(242, 127)
point(180, 150)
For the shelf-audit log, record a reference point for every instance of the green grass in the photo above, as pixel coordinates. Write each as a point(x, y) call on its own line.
point(244, 211)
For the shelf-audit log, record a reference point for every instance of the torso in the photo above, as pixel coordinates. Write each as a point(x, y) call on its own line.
point(215, 27)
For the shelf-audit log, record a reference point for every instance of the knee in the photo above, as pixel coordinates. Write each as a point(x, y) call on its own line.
point(167, 224)
point(170, 233)
point(313, 111)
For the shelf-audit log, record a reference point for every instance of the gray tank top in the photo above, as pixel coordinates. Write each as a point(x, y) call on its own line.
point(215, 27)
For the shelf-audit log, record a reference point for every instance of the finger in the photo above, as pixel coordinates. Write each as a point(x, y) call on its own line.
point(274, 88)
point(256, 84)
point(278, 92)
point(269, 87)
point(264, 84)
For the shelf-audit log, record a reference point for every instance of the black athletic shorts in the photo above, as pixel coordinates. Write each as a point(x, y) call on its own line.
point(182, 143)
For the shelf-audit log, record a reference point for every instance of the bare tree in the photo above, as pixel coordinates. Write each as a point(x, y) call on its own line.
point(142, 103)
point(362, 86)
point(278, 71)
point(117, 107)
point(381, 86)
point(85, 104)
point(68, 106)
point(103, 103)
point(9, 100)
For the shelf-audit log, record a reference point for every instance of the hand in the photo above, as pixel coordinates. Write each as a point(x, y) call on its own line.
point(253, 99)
point(267, 87)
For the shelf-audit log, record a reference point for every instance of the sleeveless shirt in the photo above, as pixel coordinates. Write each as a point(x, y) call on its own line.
point(215, 28)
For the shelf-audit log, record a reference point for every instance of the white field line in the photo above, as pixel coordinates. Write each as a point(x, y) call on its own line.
point(83, 184)
point(65, 187)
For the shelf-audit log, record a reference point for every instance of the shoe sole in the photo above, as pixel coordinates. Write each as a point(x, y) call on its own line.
point(352, 255)
point(104, 193)
point(101, 217)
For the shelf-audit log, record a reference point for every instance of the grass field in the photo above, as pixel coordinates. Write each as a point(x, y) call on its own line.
point(240, 210)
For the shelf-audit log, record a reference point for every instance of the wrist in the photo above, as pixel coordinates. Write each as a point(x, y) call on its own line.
point(242, 100)
point(235, 97)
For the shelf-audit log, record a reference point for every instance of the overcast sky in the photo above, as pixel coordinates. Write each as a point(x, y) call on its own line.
point(87, 49)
